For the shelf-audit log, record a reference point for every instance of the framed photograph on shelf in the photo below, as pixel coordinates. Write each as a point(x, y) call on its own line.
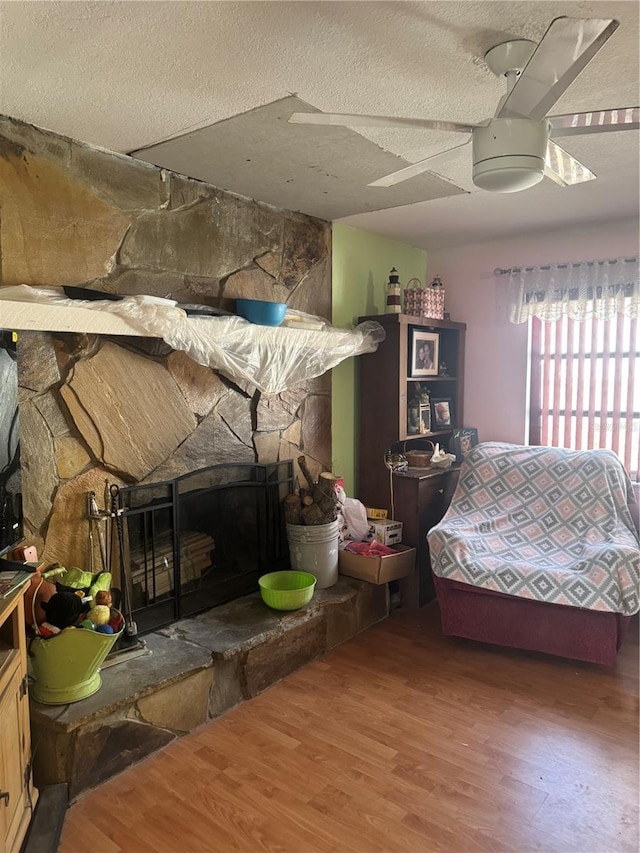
point(418, 418)
point(424, 353)
point(462, 440)
point(442, 408)
point(413, 419)
point(425, 417)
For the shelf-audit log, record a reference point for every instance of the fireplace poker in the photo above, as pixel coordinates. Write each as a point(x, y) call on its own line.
point(96, 516)
point(90, 520)
point(131, 629)
point(108, 526)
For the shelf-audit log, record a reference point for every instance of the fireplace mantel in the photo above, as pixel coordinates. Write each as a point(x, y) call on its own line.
point(273, 358)
point(51, 317)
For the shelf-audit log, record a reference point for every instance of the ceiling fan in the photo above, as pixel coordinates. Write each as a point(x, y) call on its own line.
point(515, 149)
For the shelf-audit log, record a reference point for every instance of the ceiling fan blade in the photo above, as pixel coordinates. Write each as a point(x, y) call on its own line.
point(568, 45)
point(348, 120)
point(563, 168)
point(417, 168)
point(599, 121)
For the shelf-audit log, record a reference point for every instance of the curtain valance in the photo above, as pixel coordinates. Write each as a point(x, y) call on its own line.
point(590, 289)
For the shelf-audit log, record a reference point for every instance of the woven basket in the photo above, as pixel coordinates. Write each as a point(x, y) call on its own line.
point(424, 301)
point(420, 458)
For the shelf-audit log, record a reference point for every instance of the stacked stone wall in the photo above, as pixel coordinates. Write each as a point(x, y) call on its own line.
point(127, 410)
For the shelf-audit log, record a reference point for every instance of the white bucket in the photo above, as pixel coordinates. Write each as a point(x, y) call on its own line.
point(314, 549)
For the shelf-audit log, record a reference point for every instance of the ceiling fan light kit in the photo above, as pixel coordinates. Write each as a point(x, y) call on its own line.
point(509, 154)
point(515, 150)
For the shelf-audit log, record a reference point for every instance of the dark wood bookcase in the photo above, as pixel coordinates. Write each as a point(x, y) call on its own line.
point(421, 495)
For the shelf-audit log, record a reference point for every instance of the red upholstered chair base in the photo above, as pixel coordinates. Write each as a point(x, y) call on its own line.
point(492, 617)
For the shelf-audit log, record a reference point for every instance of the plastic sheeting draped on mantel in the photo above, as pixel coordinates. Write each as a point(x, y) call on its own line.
point(273, 358)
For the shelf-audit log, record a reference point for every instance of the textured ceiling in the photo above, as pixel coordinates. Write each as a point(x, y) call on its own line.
point(130, 75)
point(322, 171)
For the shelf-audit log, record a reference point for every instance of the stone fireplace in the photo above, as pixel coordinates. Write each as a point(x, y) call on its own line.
point(97, 410)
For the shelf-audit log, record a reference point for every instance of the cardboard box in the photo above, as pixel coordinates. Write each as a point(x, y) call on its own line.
point(374, 513)
point(378, 569)
point(388, 532)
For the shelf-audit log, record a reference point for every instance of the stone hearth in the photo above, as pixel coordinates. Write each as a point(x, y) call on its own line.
point(198, 669)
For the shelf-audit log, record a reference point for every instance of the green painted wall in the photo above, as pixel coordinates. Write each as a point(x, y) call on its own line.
point(361, 262)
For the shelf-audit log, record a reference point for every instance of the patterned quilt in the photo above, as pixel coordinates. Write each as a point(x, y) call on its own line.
point(542, 523)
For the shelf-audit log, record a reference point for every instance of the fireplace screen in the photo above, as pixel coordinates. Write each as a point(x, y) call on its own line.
point(203, 538)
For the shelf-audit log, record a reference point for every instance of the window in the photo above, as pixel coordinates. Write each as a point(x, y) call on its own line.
point(585, 385)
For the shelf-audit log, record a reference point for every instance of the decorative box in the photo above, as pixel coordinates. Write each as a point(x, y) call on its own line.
point(388, 532)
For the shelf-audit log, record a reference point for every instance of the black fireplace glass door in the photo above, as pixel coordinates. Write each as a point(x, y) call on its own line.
point(205, 538)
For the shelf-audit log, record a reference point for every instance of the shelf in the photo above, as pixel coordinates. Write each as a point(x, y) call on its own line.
point(272, 358)
point(413, 472)
point(7, 654)
point(428, 379)
point(429, 436)
point(411, 320)
point(386, 395)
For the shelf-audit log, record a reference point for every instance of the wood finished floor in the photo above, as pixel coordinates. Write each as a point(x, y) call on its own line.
point(398, 740)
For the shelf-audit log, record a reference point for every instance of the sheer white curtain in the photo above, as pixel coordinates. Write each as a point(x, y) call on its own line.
point(599, 289)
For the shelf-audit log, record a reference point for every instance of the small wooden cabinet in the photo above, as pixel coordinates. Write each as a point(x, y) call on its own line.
point(17, 794)
point(421, 495)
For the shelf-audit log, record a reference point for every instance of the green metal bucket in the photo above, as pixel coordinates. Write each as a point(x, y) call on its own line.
point(66, 668)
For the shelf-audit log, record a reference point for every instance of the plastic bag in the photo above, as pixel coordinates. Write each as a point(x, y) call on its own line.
point(354, 523)
point(273, 358)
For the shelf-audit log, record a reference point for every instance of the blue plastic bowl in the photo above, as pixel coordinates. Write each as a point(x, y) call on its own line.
point(260, 312)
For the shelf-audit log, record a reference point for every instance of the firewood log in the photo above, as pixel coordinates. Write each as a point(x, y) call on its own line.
point(292, 509)
point(302, 462)
point(329, 477)
point(325, 496)
point(312, 515)
point(327, 503)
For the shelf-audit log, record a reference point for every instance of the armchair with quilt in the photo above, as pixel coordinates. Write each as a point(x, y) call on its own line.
point(539, 550)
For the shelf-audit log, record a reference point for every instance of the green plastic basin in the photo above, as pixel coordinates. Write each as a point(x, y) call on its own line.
point(288, 590)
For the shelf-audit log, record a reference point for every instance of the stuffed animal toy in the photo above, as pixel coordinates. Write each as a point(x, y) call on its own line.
point(103, 596)
point(99, 615)
point(116, 622)
point(62, 611)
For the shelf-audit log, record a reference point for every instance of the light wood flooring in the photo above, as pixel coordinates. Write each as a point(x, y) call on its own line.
point(398, 740)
